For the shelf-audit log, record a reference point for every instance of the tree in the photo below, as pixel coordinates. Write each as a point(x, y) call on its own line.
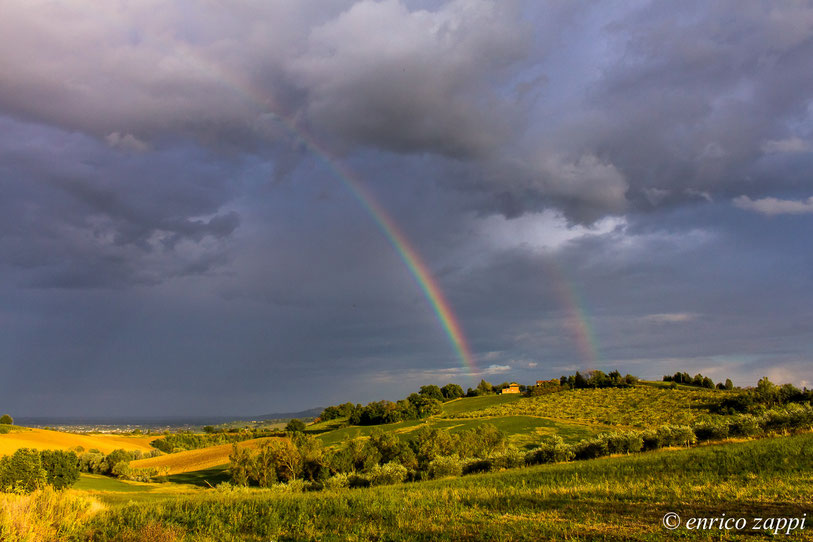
point(484, 387)
point(314, 462)
point(287, 458)
point(729, 385)
point(5, 419)
point(62, 468)
point(209, 429)
point(451, 391)
point(22, 472)
point(263, 467)
point(240, 465)
point(432, 392)
point(295, 426)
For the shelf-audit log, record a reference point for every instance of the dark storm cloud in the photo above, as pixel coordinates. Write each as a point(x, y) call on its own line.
point(164, 228)
point(603, 109)
point(88, 217)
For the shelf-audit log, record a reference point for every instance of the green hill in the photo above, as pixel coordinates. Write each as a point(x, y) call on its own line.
point(618, 498)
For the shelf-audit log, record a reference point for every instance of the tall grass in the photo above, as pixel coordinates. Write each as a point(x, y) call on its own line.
point(45, 515)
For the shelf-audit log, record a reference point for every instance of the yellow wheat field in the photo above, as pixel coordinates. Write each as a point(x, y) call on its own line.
point(194, 460)
point(42, 439)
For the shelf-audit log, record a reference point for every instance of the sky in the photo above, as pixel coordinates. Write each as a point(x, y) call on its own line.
point(233, 208)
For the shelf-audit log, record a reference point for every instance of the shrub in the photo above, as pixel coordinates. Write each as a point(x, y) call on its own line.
point(22, 472)
point(711, 429)
point(357, 480)
point(391, 473)
point(93, 462)
point(624, 443)
point(591, 448)
point(675, 435)
point(743, 425)
point(292, 486)
point(337, 481)
point(295, 426)
point(62, 468)
point(552, 450)
point(510, 459)
point(443, 466)
point(474, 466)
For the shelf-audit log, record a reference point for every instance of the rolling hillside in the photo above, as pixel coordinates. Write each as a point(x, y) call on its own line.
point(43, 439)
point(195, 460)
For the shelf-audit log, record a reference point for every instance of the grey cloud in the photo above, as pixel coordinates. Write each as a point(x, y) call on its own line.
point(604, 110)
point(774, 206)
point(415, 81)
point(81, 218)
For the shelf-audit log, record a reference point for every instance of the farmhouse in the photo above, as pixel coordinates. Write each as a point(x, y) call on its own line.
point(512, 388)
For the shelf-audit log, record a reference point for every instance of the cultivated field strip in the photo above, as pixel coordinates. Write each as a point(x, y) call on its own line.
point(195, 460)
point(43, 439)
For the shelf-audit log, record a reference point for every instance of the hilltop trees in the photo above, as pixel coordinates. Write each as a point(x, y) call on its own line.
point(598, 379)
point(697, 380)
point(451, 391)
point(5, 419)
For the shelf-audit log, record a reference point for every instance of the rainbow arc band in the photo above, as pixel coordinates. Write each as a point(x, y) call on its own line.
point(417, 268)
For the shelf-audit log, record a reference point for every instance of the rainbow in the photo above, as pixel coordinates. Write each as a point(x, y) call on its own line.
point(417, 268)
point(576, 320)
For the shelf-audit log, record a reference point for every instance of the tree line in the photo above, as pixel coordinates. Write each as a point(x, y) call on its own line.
point(698, 380)
point(27, 470)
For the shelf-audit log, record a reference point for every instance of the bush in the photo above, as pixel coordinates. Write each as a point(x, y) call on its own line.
point(510, 459)
point(337, 481)
point(591, 448)
point(22, 472)
point(357, 480)
point(5, 419)
point(743, 425)
point(295, 426)
point(292, 486)
point(552, 450)
point(624, 443)
point(474, 466)
point(391, 473)
point(675, 435)
point(443, 466)
point(711, 429)
point(62, 468)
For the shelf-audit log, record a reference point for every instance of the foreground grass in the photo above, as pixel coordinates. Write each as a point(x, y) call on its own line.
point(619, 498)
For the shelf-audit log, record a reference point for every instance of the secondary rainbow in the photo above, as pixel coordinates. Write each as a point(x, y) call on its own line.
point(417, 268)
point(576, 319)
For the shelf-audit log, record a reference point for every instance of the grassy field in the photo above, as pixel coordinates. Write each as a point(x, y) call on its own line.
point(42, 439)
point(97, 482)
point(639, 406)
point(471, 404)
point(196, 460)
point(617, 498)
point(520, 430)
